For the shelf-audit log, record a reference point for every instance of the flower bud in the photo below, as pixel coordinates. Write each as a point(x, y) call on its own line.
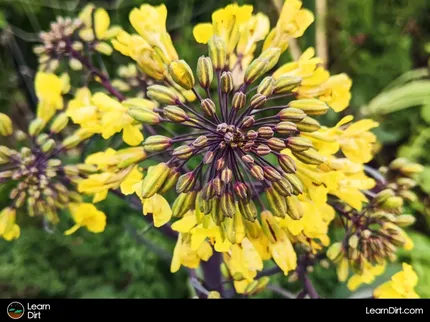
point(283, 187)
point(154, 179)
point(42, 138)
point(297, 143)
point(257, 101)
point(276, 202)
point(263, 150)
point(411, 169)
point(247, 209)
point(406, 183)
point(286, 83)
point(201, 141)
point(227, 205)
point(217, 52)
point(383, 195)
point(209, 157)
point(49, 145)
point(6, 127)
point(265, 132)
point(71, 141)
point(143, 115)
point(75, 64)
point(251, 135)
point(219, 164)
point(308, 124)
point(408, 195)
point(248, 121)
point(103, 48)
point(309, 156)
point(183, 203)
point(291, 114)
point(162, 94)
point(185, 182)
point(396, 164)
point(353, 241)
point(257, 172)
point(286, 128)
point(59, 123)
point(157, 143)
point(392, 202)
point(208, 107)
point(227, 83)
point(175, 114)
point(171, 180)
point(36, 126)
point(226, 175)
point(405, 220)
point(241, 190)
point(276, 144)
point(334, 252)
point(204, 71)
point(183, 152)
point(295, 182)
point(239, 101)
point(182, 74)
point(266, 86)
point(310, 106)
point(272, 55)
point(271, 174)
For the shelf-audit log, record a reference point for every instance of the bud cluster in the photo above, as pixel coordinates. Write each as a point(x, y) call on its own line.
point(43, 183)
point(238, 156)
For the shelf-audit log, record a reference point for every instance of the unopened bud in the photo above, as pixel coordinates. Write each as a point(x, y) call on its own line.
point(239, 101)
point(270, 227)
point(309, 156)
point(204, 71)
point(266, 86)
point(144, 115)
point(209, 157)
point(276, 144)
point(36, 126)
point(291, 114)
point(257, 172)
point(162, 94)
point(75, 64)
point(392, 203)
point(248, 209)
point(257, 101)
point(408, 195)
point(263, 150)
point(227, 83)
point(183, 203)
point(396, 164)
point(285, 84)
point(251, 135)
point(383, 195)
point(295, 182)
point(6, 127)
point(241, 190)
point(182, 74)
point(265, 132)
point(71, 141)
point(297, 143)
point(271, 174)
point(406, 183)
point(154, 179)
point(335, 252)
point(255, 70)
point(183, 152)
point(200, 141)
point(49, 145)
point(308, 124)
point(411, 169)
point(217, 52)
point(208, 106)
point(287, 163)
point(286, 128)
point(175, 114)
point(310, 106)
point(185, 182)
point(272, 55)
point(276, 201)
point(59, 123)
point(227, 205)
point(157, 143)
point(405, 220)
point(226, 175)
point(248, 121)
point(294, 207)
point(353, 241)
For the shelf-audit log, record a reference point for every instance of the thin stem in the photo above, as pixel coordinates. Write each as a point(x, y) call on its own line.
point(189, 109)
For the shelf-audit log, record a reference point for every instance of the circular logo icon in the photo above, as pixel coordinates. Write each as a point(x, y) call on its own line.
point(15, 310)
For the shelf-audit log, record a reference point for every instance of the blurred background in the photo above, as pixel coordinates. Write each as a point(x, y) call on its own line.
point(383, 45)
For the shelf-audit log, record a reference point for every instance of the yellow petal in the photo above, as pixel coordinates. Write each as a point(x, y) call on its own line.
point(284, 255)
point(102, 22)
point(205, 251)
point(72, 230)
point(186, 223)
point(203, 32)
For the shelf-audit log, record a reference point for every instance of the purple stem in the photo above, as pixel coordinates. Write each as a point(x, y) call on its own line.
point(212, 273)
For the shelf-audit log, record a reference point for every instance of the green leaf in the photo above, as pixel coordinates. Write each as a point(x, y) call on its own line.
point(425, 113)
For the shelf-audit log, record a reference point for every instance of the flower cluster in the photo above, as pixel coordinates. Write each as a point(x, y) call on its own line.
point(44, 184)
point(232, 153)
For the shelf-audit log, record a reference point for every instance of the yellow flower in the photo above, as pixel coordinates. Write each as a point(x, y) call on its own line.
point(9, 230)
point(243, 262)
point(183, 253)
point(367, 276)
point(99, 184)
point(114, 119)
point(135, 47)
point(401, 285)
point(292, 23)
point(81, 111)
point(150, 23)
point(110, 159)
point(6, 127)
point(305, 67)
point(49, 89)
point(86, 215)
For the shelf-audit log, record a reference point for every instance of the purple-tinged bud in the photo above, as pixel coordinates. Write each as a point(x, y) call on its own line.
point(185, 182)
point(297, 143)
point(157, 143)
point(208, 107)
point(271, 174)
point(291, 115)
point(247, 158)
point(265, 132)
point(183, 152)
point(257, 101)
point(257, 172)
point(251, 135)
point(276, 144)
point(287, 163)
point(263, 150)
point(248, 121)
point(242, 190)
point(239, 100)
point(175, 114)
point(286, 128)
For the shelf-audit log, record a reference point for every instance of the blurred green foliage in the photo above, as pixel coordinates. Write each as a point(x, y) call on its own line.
point(374, 42)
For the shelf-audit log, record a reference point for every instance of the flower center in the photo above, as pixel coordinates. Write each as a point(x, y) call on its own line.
point(233, 136)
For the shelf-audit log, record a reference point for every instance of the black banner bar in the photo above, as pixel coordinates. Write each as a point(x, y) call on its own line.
point(193, 309)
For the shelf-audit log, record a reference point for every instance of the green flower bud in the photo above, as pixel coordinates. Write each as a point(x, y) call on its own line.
point(266, 86)
point(297, 143)
point(217, 52)
point(276, 202)
point(6, 127)
point(255, 70)
point(48, 146)
point(144, 115)
point(286, 128)
point(276, 144)
point(239, 101)
point(208, 107)
point(287, 163)
point(291, 114)
point(175, 114)
point(36, 126)
point(163, 94)
point(308, 124)
point(157, 143)
point(257, 101)
point(183, 152)
point(204, 71)
point(182, 74)
point(294, 207)
point(185, 182)
point(285, 84)
point(227, 83)
point(154, 179)
point(309, 156)
point(59, 123)
point(310, 106)
point(103, 48)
